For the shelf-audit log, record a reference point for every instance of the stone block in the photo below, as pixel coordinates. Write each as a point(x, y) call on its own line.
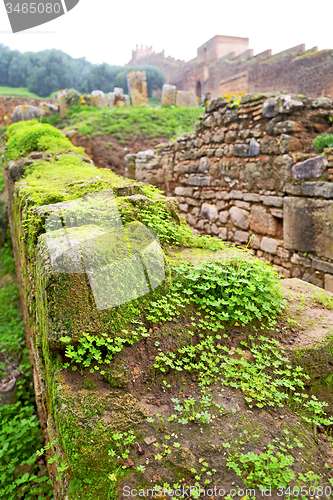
point(254, 148)
point(277, 212)
point(308, 225)
point(98, 99)
point(269, 146)
point(218, 136)
point(262, 222)
point(289, 143)
point(198, 142)
point(242, 204)
point(230, 136)
point(196, 180)
point(323, 189)
point(220, 205)
point(183, 207)
point(241, 236)
point(168, 95)
point(236, 195)
point(322, 265)
point(137, 87)
point(301, 261)
point(323, 102)
point(204, 165)
point(179, 190)
point(222, 195)
point(223, 216)
point(206, 137)
point(254, 197)
point(48, 109)
point(187, 99)
point(239, 217)
point(25, 112)
point(313, 279)
point(241, 150)
point(311, 168)
point(287, 104)
point(329, 282)
point(256, 241)
point(272, 201)
point(268, 108)
point(223, 234)
point(293, 189)
point(208, 212)
point(287, 127)
point(269, 245)
point(219, 153)
point(191, 219)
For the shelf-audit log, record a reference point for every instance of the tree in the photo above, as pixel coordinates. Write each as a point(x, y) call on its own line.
point(5, 59)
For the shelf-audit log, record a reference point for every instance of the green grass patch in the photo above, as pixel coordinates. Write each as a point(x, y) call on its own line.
point(18, 92)
point(129, 123)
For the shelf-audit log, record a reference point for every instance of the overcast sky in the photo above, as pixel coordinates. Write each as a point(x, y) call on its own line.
point(107, 31)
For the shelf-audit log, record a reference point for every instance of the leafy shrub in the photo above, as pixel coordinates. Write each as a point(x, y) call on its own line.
point(22, 139)
point(323, 141)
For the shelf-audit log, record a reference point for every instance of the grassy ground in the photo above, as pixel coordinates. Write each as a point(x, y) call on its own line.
point(18, 92)
point(169, 122)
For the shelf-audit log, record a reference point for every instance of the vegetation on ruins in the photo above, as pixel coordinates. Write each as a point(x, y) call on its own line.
point(21, 476)
point(187, 327)
point(323, 141)
point(124, 124)
point(47, 71)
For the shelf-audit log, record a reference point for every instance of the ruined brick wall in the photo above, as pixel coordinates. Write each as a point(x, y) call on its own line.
point(252, 171)
point(8, 103)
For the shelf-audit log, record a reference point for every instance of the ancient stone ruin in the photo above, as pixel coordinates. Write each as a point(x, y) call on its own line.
point(249, 174)
point(137, 87)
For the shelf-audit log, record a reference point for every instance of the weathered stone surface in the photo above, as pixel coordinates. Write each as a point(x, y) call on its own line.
point(25, 112)
point(219, 153)
point(198, 142)
point(48, 109)
point(322, 265)
point(254, 148)
point(242, 204)
point(256, 241)
point(323, 102)
point(223, 233)
point(324, 189)
point(287, 104)
point(268, 108)
point(137, 87)
point(302, 261)
point(230, 136)
point(196, 180)
point(241, 150)
point(204, 165)
point(251, 197)
point(168, 95)
point(312, 168)
point(269, 245)
point(98, 99)
point(206, 137)
point(328, 282)
point(287, 127)
point(277, 212)
point(186, 99)
point(261, 221)
point(308, 225)
point(293, 189)
point(272, 201)
point(236, 195)
point(208, 211)
point(224, 216)
point(241, 236)
point(218, 136)
point(269, 146)
point(289, 143)
point(312, 278)
point(239, 217)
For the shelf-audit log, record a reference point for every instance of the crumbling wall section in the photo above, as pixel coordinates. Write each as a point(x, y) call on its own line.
point(250, 175)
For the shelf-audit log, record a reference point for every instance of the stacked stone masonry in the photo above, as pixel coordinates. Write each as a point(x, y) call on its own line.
point(250, 170)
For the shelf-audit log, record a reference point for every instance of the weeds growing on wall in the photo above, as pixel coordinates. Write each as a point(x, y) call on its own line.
point(323, 141)
point(21, 477)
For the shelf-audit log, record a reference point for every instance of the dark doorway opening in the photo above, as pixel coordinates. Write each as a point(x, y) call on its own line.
point(198, 89)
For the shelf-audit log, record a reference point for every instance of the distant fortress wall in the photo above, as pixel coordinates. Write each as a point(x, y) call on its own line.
point(226, 64)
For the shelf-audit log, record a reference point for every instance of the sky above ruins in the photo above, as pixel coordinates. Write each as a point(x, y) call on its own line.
point(105, 31)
